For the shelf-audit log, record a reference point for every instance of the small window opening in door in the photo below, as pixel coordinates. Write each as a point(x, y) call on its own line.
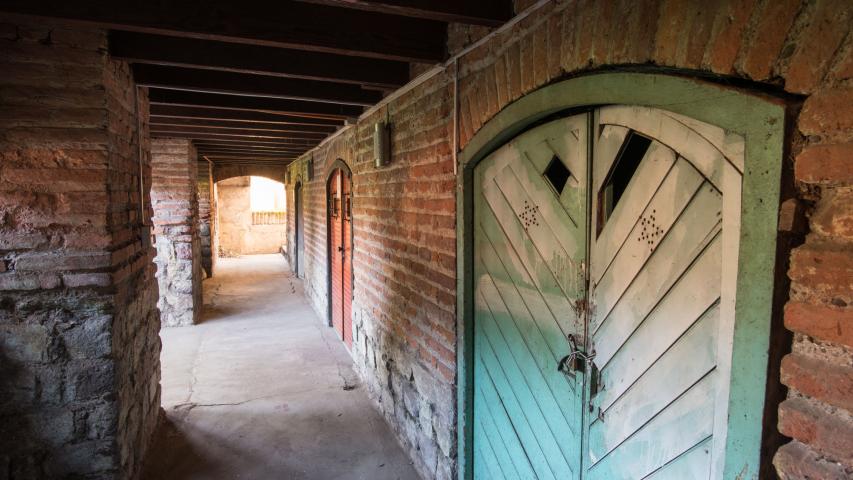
point(633, 150)
point(557, 174)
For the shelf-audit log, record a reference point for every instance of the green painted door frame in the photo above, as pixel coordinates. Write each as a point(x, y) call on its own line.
point(761, 121)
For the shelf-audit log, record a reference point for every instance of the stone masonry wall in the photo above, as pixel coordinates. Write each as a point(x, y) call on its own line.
point(79, 350)
point(404, 214)
point(174, 197)
point(205, 215)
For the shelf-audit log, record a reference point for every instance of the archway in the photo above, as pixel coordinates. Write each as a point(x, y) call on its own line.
point(705, 123)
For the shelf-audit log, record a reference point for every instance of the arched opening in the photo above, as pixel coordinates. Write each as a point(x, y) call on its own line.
point(670, 188)
point(251, 216)
point(339, 223)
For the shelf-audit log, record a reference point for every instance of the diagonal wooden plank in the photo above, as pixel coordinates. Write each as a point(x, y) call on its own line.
point(694, 463)
point(689, 360)
point(646, 182)
point(512, 411)
point(497, 416)
point(683, 424)
point(537, 247)
point(506, 358)
point(679, 209)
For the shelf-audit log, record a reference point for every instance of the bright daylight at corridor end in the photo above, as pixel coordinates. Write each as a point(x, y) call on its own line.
point(426, 240)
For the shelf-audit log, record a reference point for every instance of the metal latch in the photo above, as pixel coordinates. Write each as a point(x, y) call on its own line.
point(575, 361)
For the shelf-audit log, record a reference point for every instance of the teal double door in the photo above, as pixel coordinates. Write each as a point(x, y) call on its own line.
point(605, 262)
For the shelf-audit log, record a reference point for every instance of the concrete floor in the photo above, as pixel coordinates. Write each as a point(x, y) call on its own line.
point(262, 390)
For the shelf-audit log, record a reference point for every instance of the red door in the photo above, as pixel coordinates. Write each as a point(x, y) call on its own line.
point(340, 253)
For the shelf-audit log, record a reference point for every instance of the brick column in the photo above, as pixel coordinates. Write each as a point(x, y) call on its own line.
point(175, 204)
point(79, 352)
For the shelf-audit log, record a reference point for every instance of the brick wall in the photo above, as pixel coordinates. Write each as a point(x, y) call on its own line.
point(404, 267)
point(404, 259)
point(205, 214)
point(79, 350)
point(174, 198)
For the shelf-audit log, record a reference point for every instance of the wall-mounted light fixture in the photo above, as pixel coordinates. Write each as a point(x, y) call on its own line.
point(309, 166)
point(381, 143)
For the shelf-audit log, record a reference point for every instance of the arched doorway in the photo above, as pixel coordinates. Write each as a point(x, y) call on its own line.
point(299, 232)
point(601, 256)
point(339, 215)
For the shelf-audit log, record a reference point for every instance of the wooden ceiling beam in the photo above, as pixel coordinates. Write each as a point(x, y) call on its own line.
point(203, 143)
point(238, 116)
point(248, 59)
point(239, 133)
point(215, 81)
point(236, 140)
point(226, 125)
point(238, 156)
point(282, 24)
point(491, 13)
point(251, 150)
point(159, 96)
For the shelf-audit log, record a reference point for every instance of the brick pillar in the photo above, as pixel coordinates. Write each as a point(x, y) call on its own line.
point(175, 204)
point(205, 224)
point(79, 351)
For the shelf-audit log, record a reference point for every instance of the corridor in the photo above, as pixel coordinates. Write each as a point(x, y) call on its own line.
point(260, 389)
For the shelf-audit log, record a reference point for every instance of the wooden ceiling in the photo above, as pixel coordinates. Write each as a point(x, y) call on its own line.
point(262, 82)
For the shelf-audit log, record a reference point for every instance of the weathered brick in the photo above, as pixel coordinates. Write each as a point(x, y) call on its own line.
point(829, 383)
point(834, 216)
point(769, 28)
point(813, 424)
point(822, 117)
point(796, 461)
point(729, 28)
point(817, 44)
point(824, 271)
point(825, 164)
point(831, 324)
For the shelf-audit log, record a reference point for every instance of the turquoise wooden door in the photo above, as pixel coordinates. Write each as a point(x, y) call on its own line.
point(663, 269)
point(661, 213)
point(530, 219)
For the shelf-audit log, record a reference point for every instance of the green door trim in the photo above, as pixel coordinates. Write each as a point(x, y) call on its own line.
point(761, 121)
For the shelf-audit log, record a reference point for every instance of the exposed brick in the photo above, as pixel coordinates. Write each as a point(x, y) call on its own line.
point(831, 324)
point(830, 433)
point(74, 248)
point(823, 271)
point(769, 28)
point(729, 28)
point(834, 216)
point(817, 44)
point(796, 461)
point(825, 164)
point(822, 117)
point(829, 383)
